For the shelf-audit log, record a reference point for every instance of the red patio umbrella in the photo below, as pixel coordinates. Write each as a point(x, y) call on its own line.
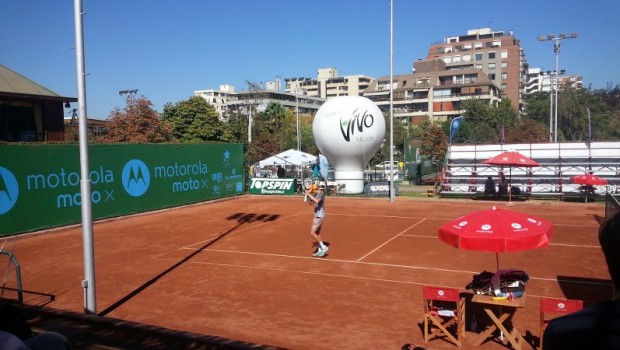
point(497, 230)
point(588, 179)
point(510, 159)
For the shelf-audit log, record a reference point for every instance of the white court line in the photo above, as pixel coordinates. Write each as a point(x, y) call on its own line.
point(335, 260)
point(366, 263)
point(360, 277)
point(574, 245)
point(391, 239)
point(383, 216)
point(357, 262)
point(439, 219)
point(554, 244)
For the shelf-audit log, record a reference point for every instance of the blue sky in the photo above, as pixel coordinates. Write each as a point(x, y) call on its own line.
point(169, 48)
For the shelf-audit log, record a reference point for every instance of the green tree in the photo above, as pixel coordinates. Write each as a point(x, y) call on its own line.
point(195, 120)
point(267, 130)
point(528, 130)
point(573, 106)
point(308, 144)
point(138, 122)
point(605, 116)
point(236, 126)
point(434, 142)
point(479, 123)
point(538, 105)
point(288, 132)
point(398, 140)
point(483, 123)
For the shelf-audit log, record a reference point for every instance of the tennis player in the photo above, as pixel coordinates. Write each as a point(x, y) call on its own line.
point(316, 197)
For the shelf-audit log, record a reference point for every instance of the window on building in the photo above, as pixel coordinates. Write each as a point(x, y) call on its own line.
point(440, 50)
point(478, 57)
point(466, 58)
point(448, 49)
point(478, 45)
point(457, 58)
point(492, 76)
point(503, 87)
point(478, 66)
point(497, 43)
point(467, 47)
point(471, 78)
point(491, 55)
point(504, 76)
point(504, 53)
point(441, 93)
point(383, 85)
point(447, 59)
point(487, 44)
point(491, 65)
point(504, 64)
point(446, 80)
point(423, 81)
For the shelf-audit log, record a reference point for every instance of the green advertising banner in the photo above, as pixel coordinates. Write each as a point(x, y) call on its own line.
point(260, 185)
point(40, 184)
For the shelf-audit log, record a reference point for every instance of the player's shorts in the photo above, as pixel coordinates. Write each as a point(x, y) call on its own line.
point(316, 224)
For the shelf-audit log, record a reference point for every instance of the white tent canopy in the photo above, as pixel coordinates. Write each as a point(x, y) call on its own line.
point(289, 157)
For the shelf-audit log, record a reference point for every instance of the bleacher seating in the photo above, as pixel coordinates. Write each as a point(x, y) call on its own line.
point(464, 174)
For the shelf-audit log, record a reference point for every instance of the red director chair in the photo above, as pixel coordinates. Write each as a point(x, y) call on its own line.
point(551, 308)
point(444, 314)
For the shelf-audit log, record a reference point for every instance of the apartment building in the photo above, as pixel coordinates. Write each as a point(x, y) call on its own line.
point(539, 80)
point(433, 92)
point(227, 99)
point(497, 54)
point(328, 84)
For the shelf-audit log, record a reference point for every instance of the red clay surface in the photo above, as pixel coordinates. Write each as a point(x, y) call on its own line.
point(242, 269)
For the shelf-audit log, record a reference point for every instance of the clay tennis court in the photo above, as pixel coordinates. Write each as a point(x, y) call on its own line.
point(242, 269)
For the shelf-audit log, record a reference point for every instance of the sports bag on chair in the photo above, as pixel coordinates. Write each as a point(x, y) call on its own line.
point(500, 283)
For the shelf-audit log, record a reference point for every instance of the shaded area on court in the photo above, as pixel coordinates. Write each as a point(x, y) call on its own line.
point(241, 218)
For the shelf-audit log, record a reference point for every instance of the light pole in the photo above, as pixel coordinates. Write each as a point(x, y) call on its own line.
point(392, 189)
point(550, 106)
point(297, 113)
point(556, 50)
point(88, 283)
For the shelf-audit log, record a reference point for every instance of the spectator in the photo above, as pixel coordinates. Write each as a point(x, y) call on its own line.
point(280, 172)
point(16, 333)
point(502, 188)
point(598, 326)
point(43, 341)
point(489, 186)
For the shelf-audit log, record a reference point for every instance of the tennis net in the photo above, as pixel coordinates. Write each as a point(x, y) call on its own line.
point(612, 206)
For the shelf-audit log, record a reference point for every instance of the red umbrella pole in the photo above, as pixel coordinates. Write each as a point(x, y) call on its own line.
point(497, 261)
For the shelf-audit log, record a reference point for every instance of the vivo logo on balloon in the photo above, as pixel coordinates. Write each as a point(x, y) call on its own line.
point(358, 121)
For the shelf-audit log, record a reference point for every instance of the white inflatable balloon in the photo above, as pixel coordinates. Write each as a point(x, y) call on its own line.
point(349, 131)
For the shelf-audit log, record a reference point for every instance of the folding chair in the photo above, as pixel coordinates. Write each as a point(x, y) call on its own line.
point(551, 308)
point(443, 309)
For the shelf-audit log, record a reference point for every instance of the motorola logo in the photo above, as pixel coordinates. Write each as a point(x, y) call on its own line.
point(9, 190)
point(136, 177)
